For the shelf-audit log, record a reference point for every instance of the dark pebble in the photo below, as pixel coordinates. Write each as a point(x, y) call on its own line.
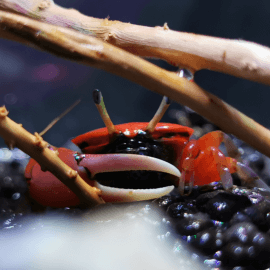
point(242, 232)
point(244, 243)
point(192, 224)
point(239, 217)
point(182, 209)
point(255, 195)
point(215, 264)
point(258, 213)
point(209, 241)
point(164, 202)
point(237, 254)
point(221, 205)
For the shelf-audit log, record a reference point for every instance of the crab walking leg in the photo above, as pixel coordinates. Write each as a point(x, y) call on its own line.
point(188, 165)
point(215, 138)
point(246, 174)
point(226, 178)
point(249, 178)
point(124, 162)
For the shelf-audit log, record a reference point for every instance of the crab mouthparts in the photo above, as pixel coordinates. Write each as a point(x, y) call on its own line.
point(121, 165)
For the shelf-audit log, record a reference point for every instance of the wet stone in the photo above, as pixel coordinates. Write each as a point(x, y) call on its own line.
point(209, 241)
point(255, 197)
point(193, 224)
point(238, 218)
point(182, 209)
point(212, 263)
point(221, 205)
point(258, 214)
point(236, 254)
point(165, 201)
point(244, 243)
point(241, 232)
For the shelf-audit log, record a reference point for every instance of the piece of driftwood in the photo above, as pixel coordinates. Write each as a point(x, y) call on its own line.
point(235, 57)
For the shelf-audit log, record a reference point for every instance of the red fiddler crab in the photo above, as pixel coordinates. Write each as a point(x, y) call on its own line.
point(139, 161)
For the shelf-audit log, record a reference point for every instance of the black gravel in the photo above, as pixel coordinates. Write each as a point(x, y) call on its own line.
point(231, 229)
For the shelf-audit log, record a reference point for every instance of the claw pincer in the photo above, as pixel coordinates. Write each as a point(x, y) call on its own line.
point(46, 189)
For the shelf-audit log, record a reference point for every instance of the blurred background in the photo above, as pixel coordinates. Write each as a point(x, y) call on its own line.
point(36, 87)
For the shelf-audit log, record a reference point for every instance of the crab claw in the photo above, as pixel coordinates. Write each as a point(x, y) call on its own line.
point(128, 162)
point(124, 162)
point(46, 189)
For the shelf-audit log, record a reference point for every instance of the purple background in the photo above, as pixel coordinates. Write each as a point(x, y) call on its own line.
point(36, 86)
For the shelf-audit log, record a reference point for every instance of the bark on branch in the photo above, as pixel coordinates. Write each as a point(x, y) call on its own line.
point(235, 57)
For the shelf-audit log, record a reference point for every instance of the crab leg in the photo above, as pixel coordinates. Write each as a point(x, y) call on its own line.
point(234, 161)
point(215, 138)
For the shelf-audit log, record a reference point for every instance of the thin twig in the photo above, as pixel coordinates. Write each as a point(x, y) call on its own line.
point(235, 57)
point(16, 136)
point(59, 117)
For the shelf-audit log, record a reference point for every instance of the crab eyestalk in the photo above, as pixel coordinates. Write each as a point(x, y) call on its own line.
point(165, 103)
point(98, 99)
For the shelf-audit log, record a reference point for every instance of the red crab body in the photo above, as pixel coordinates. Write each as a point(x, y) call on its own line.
point(174, 136)
point(207, 157)
point(199, 160)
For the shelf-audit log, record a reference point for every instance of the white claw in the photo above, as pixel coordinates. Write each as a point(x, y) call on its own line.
point(127, 162)
point(129, 195)
point(226, 178)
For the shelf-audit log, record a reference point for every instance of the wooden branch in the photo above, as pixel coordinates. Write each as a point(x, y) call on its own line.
point(235, 57)
point(16, 136)
point(88, 50)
